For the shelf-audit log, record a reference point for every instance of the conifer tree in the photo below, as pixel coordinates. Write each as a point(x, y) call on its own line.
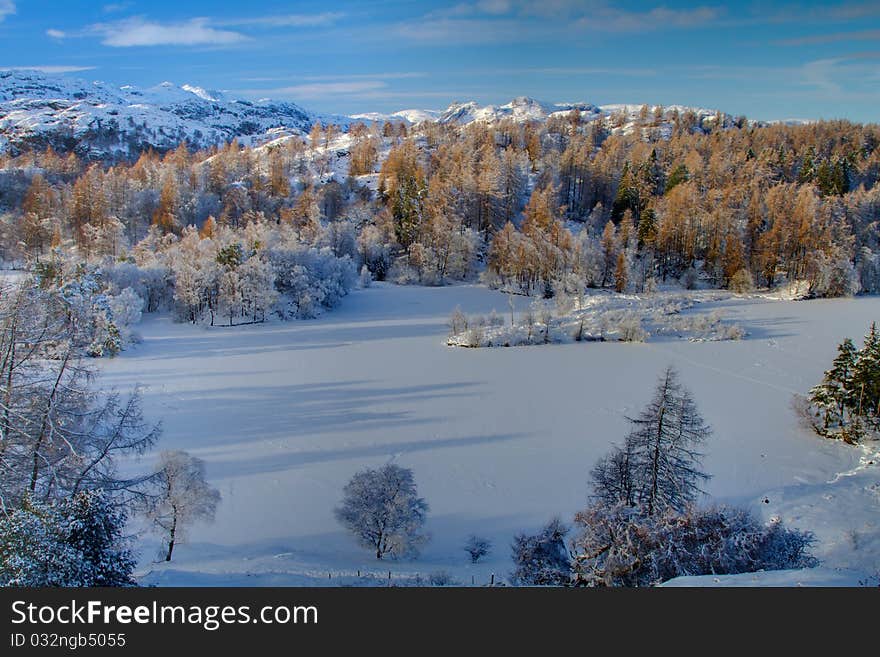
point(834, 396)
point(659, 466)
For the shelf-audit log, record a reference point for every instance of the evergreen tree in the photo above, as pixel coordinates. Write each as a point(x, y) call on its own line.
point(866, 378)
point(834, 397)
point(75, 541)
point(679, 175)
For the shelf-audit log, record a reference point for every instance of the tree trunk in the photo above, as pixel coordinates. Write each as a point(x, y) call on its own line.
point(171, 538)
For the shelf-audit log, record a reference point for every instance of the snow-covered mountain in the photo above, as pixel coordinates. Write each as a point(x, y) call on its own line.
point(411, 116)
point(520, 109)
point(618, 118)
point(98, 120)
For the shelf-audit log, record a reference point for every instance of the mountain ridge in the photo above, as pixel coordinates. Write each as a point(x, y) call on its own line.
point(101, 121)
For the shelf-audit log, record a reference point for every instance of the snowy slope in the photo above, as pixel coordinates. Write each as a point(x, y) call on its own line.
point(500, 440)
point(520, 109)
point(99, 120)
point(411, 116)
point(616, 117)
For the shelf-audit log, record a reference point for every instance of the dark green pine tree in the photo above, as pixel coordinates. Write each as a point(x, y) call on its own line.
point(679, 175)
point(406, 209)
point(866, 379)
point(834, 398)
point(808, 167)
point(627, 197)
point(647, 229)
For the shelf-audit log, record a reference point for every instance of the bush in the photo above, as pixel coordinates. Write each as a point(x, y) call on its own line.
point(623, 546)
point(689, 279)
point(477, 547)
point(741, 282)
point(542, 559)
point(442, 578)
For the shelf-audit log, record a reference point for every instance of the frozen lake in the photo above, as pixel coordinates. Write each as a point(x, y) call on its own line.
point(500, 440)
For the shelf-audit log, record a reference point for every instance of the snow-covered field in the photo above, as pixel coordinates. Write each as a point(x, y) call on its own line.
point(500, 440)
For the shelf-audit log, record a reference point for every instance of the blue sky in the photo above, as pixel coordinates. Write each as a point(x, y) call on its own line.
point(766, 60)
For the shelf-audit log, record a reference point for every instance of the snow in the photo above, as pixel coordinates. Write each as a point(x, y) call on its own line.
point(38, 108)
point(410, 116)
point(500, 440)
point(520, 109)
point(35, 106)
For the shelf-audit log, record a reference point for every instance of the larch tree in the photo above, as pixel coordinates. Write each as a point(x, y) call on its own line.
point(659, 465)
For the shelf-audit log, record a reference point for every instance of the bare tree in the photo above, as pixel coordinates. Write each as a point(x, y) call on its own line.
point(183, 497)
point(658, 466)
point(58, 436)
point(383, 510)
point(477, 547)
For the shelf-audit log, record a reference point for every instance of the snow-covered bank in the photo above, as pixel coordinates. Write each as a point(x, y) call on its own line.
point(499, 440)
point(598, 316)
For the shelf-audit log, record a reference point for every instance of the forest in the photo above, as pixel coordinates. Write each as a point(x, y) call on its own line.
point(241, 235)
point(233, 234)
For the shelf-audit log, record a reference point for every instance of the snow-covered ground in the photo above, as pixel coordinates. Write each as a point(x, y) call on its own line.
point(500, 440)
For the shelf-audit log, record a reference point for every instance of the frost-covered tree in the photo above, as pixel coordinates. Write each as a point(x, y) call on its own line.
point(229, 295)
point(477, 547)
point(612, 477)
point(366, 278)
point(257, 287)
point(382, 509)
point(75, 541)
point(542, 559)
point(182, 497)
point(58, 436)
point(659, 465)
point(458, 322)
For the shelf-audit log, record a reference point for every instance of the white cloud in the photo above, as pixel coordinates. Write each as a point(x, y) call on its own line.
point(56, 34)
point(7, 7)
point(606, 17)
point(863, 35)
point(324, 89)
point(369, 76)
point(287, 20)
point(142, 32)
point(48, 69)
point(517, 20)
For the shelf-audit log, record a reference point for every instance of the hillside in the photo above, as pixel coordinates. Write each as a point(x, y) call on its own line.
point(99, 121)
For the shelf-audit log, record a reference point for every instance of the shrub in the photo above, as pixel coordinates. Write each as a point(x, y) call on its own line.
point(623, 546)
point(741, 282)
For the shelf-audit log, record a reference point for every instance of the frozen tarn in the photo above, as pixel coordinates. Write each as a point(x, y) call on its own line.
point(499, 440)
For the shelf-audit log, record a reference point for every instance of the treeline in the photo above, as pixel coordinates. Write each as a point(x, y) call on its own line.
point(539, 207)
